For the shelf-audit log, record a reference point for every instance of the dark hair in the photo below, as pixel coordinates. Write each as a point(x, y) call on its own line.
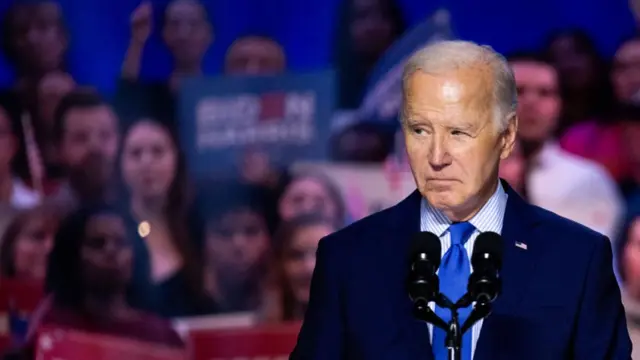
point(82, 98)
point(7, 28)
point(12, 233)
point(621, 244)
point(581, 38)
point(627, 112)
point(224, 197)
point(182, 222)
point(529, 56)
point(205, 13)
point(282, 241)
point(64, 272)
point(384, 132)
point(352, 76)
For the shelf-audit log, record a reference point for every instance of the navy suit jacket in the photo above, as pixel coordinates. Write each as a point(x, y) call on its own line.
point(559, 300)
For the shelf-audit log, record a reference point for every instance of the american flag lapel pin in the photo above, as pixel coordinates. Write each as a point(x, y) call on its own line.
point(521, 245)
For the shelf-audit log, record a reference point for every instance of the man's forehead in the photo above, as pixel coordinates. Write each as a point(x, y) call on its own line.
point(461, 89)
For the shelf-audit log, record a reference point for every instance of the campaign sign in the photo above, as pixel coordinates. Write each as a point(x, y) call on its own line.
point(383, 96)
point(286, 117)
point(267, 342)
point(67, 344)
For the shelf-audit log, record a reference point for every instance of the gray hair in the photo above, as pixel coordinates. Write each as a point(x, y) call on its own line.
point(443, 56)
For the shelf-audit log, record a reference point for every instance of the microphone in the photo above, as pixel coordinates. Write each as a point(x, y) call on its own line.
point(423, 284)
point(485, 283)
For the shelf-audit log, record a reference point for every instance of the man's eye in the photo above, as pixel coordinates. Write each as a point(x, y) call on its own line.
point(458, 133)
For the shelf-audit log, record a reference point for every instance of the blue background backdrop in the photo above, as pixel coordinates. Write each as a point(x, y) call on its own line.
point(100, 29)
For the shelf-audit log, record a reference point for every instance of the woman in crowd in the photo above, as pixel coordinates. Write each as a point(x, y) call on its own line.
point(367, 28)
point(628, 258)
point(159, 202)
point(237, 243)
point(25, 246)
point(599, 138)
point(294, 258)
point(90, 271)
point(311, 193)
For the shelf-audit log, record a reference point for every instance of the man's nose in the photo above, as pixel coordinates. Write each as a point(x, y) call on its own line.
point(438, 154)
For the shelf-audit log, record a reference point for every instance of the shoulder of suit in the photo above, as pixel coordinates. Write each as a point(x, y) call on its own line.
point(356, 232)
point(563, 229)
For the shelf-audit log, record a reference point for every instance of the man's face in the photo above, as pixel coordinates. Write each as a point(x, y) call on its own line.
point(254, 56)
point(453, 144)
point(186, 32)
point(38, 38)
point(89, 134)
point(539, 102)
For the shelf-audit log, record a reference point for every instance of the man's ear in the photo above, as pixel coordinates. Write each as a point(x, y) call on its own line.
point(508, 137)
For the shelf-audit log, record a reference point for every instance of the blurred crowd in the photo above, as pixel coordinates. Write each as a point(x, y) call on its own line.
point(97, 203)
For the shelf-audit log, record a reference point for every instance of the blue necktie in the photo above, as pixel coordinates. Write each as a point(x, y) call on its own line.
point(454, 276)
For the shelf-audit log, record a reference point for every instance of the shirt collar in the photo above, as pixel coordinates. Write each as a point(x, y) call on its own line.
point(489, 218)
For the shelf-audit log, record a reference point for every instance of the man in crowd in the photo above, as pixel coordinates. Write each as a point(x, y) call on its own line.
point(86, 133)
point(556, 180)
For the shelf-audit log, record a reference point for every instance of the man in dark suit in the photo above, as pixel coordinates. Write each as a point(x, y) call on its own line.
point(559, 298)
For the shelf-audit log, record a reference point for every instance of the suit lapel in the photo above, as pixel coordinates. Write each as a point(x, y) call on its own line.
point(520, 254)
point(403, 223)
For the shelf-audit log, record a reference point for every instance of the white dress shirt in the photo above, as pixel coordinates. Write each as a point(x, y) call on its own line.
point(489, 218)
point(576, 188)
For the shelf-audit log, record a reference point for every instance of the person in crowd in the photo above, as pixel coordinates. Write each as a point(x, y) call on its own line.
point(293, 261)
point(363, 142)
point(367, 28)
point(573, 187)
point(599, 139)
point(628, 266)
point(238, 241)
point(311, 193)
point(90, 275)
point(582, 72)
point(512, 170)
point(87, 135)
point(255, 54)
point(187, 32)
point(25, 245)
point(35, 41)
point(160, 203)
point(628, 117)
point(13, 191)
point(52, 88)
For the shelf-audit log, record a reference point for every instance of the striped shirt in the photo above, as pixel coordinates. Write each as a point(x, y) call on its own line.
point(489, 218)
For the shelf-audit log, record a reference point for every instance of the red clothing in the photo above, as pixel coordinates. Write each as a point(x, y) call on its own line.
point(600, 143)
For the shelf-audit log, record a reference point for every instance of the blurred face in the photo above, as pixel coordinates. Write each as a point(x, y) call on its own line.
point(8, 144)
point(631, 260)
point(452, 140)
point(625, 74)
point(361, 147)
point(52, 88)
point(37, 36)
point(538, 100)
point(32, 248)
point(106, 254)
point(187, 33)
point(149, 160)
point(631, 134)
point(307, 195)
point(371, 28)
point(89, 134)
point(512, 168)
point(254, 56)
point(238, 243)
point(300, 259)
point(576, 68)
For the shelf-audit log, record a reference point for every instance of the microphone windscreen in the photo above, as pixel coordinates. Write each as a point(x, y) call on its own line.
point(426, 243)
point(488, 245)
